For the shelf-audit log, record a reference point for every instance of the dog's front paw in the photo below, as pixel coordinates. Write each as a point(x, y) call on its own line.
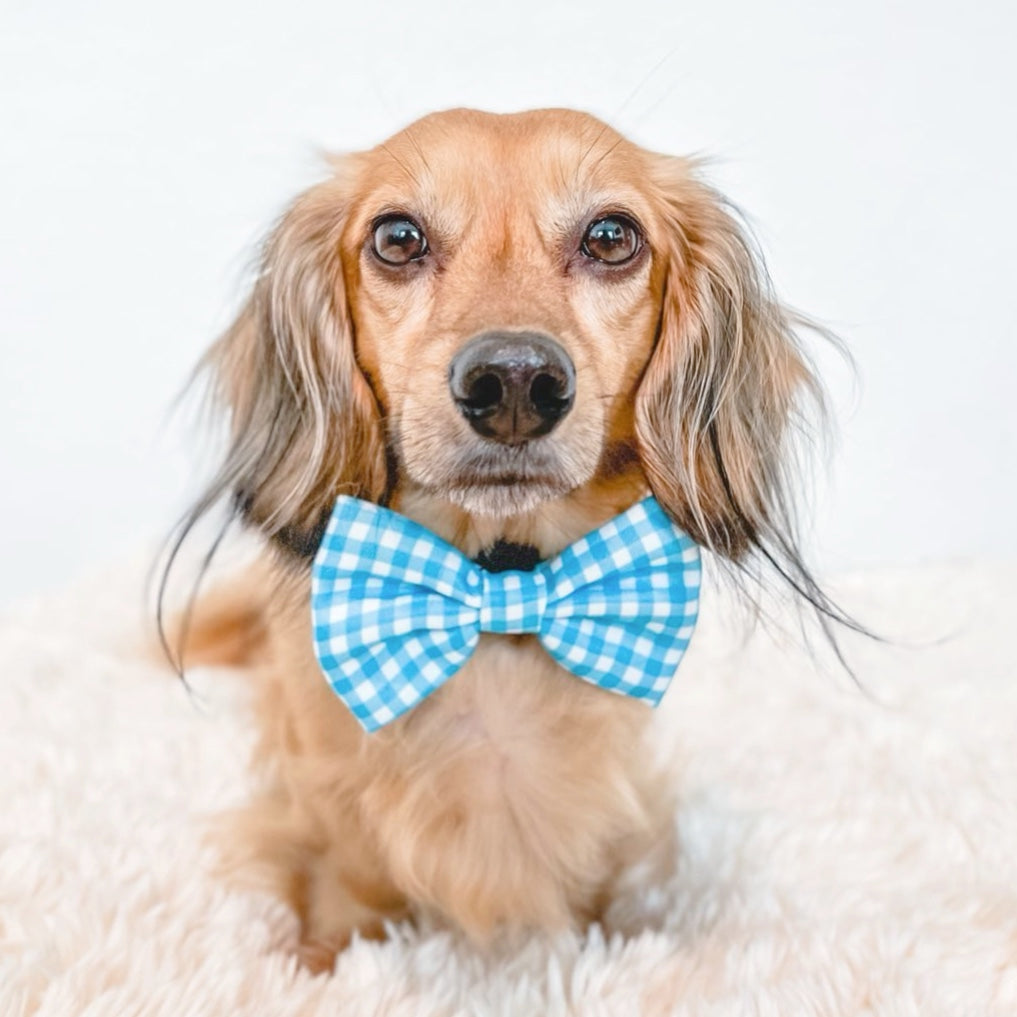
point(317, 953)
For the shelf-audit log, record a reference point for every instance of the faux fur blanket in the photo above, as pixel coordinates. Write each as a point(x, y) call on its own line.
point(838, 851)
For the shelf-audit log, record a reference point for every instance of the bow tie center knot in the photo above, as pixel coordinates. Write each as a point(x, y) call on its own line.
point(512, 601)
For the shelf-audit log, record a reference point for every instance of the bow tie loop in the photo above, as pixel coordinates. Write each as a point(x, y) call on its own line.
point(512, 602)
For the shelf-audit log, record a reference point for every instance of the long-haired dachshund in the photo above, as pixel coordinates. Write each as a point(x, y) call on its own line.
point(508, 328)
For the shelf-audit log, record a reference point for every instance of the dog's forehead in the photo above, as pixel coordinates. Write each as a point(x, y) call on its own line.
point(560, 129)
point(463, 163)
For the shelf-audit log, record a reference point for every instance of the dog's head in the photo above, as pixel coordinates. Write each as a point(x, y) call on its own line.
point(505, 314)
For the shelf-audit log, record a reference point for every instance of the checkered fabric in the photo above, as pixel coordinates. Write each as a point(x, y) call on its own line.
point(397, 611)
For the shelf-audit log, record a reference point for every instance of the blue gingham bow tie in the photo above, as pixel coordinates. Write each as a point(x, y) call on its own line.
point(397, 611)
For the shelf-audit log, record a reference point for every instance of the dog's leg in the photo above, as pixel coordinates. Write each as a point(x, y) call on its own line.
point(341, 902)
point(225, 627)
point(335, 887)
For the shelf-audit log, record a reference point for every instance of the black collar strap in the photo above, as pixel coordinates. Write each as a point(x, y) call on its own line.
point(294, 542)
point(503, 555)
point(302, 544)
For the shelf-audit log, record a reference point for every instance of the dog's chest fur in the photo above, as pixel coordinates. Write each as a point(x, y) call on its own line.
point(486, 800)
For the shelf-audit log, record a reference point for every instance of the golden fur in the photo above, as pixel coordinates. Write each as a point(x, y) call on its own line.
point(509, 797)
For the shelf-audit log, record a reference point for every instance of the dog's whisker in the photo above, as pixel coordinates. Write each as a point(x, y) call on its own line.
point(411, 137)
point(643, 82)
point(406, 169)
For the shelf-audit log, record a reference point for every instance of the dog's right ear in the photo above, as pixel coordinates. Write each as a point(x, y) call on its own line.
point(305, 426)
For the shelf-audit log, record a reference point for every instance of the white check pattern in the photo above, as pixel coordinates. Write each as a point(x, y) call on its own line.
point(397, 611)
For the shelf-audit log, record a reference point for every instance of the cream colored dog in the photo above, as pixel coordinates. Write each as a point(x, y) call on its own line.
point(653, 357)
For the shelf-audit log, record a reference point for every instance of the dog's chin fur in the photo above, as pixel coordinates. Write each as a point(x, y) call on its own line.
point(493, 481)
point(504, 483)
point(502, 501)
point(511, 797)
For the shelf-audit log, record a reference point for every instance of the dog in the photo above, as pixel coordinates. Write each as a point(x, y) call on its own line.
point(508, 328)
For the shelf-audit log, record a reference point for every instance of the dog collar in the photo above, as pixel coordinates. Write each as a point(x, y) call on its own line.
point(396, 611)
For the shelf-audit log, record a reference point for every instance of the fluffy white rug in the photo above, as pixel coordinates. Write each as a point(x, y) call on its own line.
point(838, 854)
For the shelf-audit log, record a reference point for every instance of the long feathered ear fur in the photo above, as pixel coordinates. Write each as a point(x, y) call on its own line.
point(727, 391)
point(304, 423)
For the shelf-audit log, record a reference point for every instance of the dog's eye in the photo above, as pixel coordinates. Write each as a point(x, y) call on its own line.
point(398, 241)
point(613, 239)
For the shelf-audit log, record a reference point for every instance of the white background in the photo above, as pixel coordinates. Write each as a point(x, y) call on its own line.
point(144, 148)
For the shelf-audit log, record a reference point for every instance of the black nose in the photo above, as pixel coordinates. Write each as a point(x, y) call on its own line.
point(512, 386)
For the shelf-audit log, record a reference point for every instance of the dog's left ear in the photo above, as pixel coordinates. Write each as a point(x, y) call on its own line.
point(304, 423)
point(722, 390)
